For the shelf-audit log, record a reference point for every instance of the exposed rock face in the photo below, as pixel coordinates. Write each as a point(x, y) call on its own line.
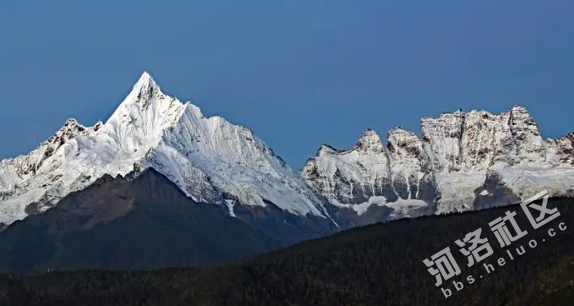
point(530, 146)
point(364, 179)
point(463, 161)
point(410, 166)
point(441, 139)
point(561, 150)
point(26, 166)
point(352, 176)
point(476, 140)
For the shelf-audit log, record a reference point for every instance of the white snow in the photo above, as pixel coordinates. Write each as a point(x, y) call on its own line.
point(363, 207)
point(402, 208)
point(527, 181)
point(443, 138)
point(214, 161)
point(364, 165)
point(457, 190)
point(408, 160)
point(210, 159)
point(456, 152)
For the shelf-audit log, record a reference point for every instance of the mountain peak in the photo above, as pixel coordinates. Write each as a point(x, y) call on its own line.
point(370, 141)
point(399, 130)
point(140, 120)
point(145, 88)
point(326, 149)
point(519, 108)
point(146, 78)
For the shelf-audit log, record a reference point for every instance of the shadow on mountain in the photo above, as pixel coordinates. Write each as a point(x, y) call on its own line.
point(146, 223)
point(377, 265)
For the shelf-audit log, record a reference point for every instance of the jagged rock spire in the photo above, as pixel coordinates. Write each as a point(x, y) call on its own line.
point(370, 141)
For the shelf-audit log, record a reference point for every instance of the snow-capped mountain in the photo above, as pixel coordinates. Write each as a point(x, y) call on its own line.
point(371, 173)
point(210, 159)
point(462, 161)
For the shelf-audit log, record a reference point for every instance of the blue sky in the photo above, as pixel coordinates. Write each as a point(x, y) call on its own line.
point(298, 73)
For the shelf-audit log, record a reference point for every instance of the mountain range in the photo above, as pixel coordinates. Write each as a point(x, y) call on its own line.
point(462, 161)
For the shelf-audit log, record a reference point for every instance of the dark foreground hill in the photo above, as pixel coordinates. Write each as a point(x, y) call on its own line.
point(145, 223)
point(375, 265)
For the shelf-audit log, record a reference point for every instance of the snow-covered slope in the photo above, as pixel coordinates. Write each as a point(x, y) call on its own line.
point(371, 174)
point(461, 159)
point(351, 176)
point(210, 159)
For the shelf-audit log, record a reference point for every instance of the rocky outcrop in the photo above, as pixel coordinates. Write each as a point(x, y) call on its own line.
point(561, 150)
point(352, 176)
point(410, 166)
point(462, 161)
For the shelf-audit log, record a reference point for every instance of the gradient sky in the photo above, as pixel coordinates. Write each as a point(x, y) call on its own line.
point(298, 73)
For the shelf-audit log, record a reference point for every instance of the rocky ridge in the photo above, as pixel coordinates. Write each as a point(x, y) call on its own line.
point(461, 159)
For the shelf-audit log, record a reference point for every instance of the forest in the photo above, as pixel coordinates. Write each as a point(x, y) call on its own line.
point(381, 264)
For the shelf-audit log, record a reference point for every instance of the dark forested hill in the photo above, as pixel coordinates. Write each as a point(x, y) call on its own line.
point(145, 223)
point(375, 265)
